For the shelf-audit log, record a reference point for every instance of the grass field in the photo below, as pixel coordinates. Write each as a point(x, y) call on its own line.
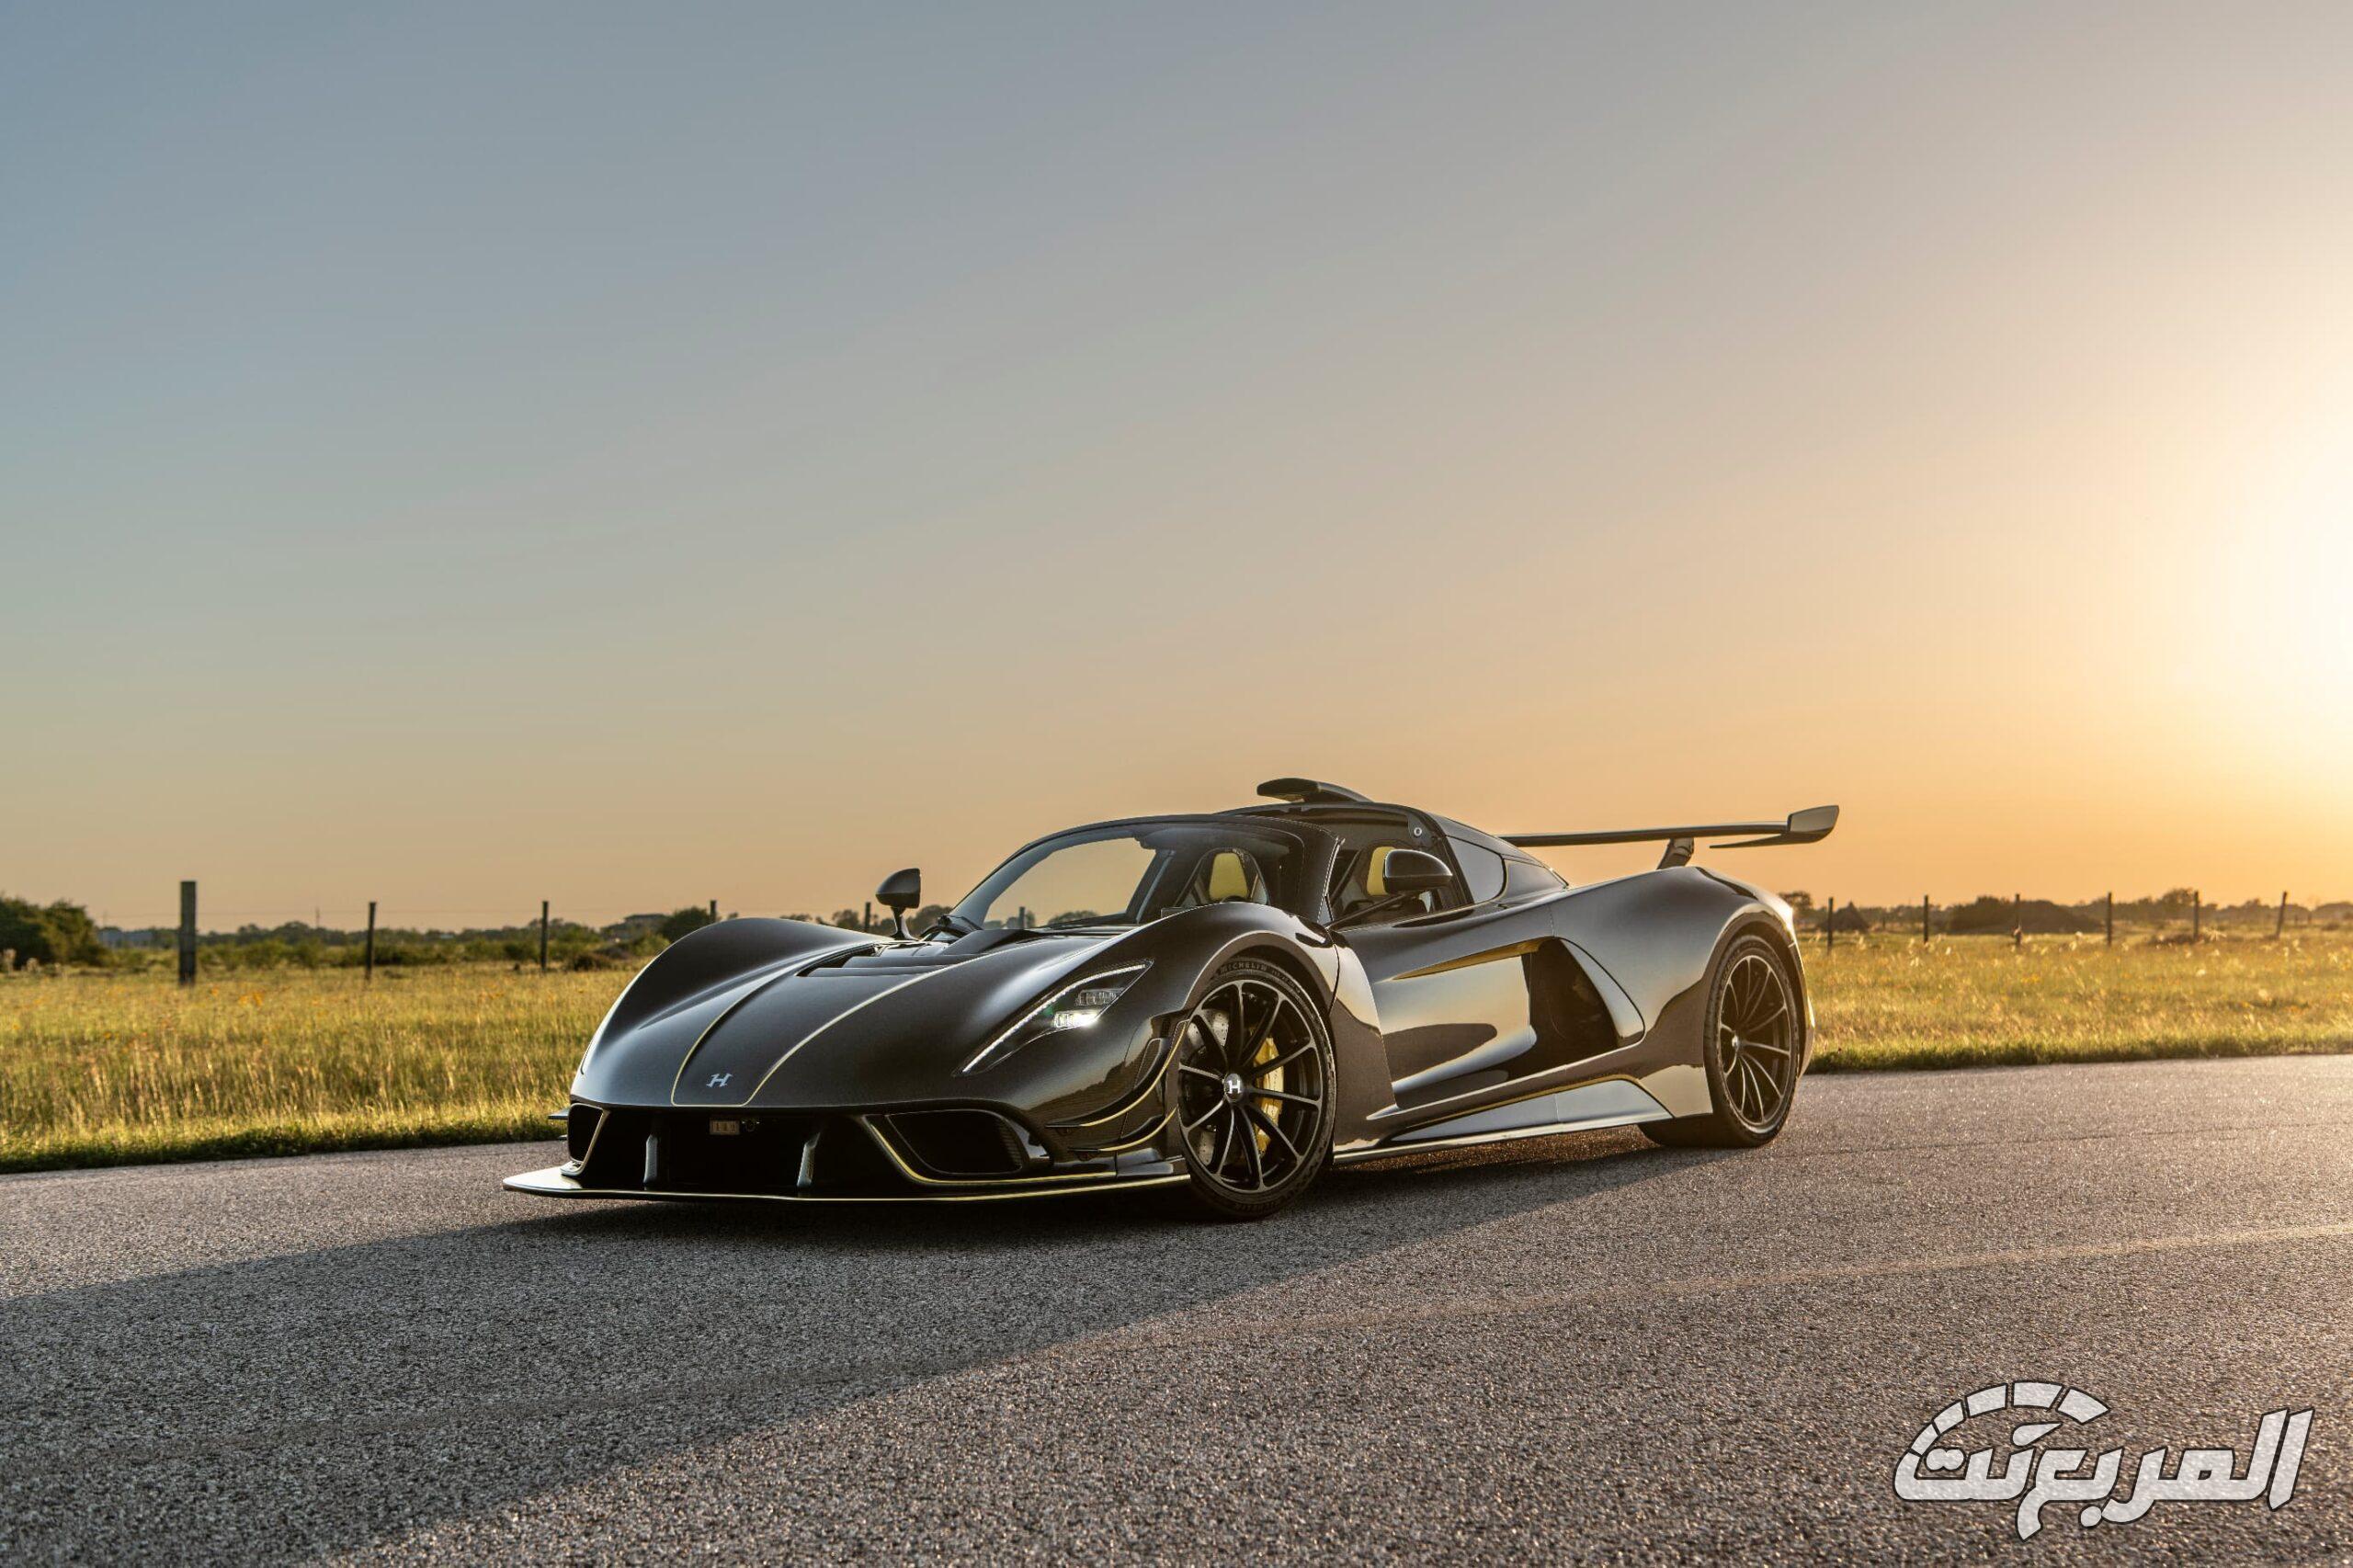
point(99, 1069)
point(1974, 1001)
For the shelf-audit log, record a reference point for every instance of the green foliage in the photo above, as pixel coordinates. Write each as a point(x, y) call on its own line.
point(61, 933)
point(679, 921)
point(1989, 915)
point(1982, 914)
point(918, 921)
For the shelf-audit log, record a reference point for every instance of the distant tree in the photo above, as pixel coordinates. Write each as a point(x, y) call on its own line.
point(2177, 899)
point(1984, 913)
point(1990, 912)
point(61, 933)
point(678, 923)
point(1800, 901)
point(23, 931)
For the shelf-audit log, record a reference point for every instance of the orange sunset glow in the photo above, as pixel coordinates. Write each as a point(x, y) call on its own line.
point(466, 463)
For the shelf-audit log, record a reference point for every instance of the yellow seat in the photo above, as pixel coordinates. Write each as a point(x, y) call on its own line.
point(1229, 877)
point(1371, 884)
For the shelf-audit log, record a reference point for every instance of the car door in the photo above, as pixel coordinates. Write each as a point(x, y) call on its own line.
point(1449, 985)
point(1479, 996)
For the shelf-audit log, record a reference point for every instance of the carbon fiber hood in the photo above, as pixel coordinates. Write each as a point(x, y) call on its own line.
point(865, 1023)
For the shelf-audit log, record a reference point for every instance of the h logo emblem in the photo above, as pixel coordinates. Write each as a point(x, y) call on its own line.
point(718, 1080)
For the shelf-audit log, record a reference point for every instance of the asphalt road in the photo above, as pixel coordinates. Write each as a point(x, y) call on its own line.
point(1573, 1347)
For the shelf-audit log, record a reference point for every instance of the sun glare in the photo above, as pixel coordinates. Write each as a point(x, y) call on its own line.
point(2288, 577)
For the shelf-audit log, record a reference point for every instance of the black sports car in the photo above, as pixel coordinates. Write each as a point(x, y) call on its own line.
point(1225, 1003)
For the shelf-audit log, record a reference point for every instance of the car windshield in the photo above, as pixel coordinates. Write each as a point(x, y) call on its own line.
point(1134, 873)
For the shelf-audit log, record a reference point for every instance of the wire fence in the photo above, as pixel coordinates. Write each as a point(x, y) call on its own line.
point(363, 933)
point(2182, 915)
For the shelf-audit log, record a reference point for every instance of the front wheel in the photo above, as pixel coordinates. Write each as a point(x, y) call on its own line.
point(1752, 1045)
point(1253, 1091)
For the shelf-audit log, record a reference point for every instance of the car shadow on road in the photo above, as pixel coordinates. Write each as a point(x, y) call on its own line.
point(318, 1401)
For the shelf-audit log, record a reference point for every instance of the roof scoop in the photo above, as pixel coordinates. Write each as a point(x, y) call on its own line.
point(1308, 792)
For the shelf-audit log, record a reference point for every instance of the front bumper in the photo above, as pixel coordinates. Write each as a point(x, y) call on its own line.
point(928, 1152)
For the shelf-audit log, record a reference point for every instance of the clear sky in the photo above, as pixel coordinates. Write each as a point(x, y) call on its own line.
point(458, 455)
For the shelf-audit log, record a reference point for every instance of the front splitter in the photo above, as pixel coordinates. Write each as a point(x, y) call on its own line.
point(552, 1183)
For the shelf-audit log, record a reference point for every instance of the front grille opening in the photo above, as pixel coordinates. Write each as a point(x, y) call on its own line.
point(792, 1152)
point(965, 1144)
point(842, 1159)
point(754, 1153)
point(615, 1156)
point(579, 1128)
point(743, 1151)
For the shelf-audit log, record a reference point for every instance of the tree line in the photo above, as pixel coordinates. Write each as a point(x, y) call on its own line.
point(63, 934)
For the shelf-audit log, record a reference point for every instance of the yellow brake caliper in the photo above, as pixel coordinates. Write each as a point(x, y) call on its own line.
point(1270, 1109)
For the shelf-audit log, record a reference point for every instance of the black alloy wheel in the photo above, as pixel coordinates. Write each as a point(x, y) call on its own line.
point(1756, 1040)
point(1253, 1091)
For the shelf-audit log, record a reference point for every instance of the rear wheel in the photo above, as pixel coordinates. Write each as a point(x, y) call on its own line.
point(1254, 1092)
point(1754, 1041)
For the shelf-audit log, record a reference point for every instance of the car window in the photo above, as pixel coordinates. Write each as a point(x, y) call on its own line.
point(1358, 887)
point(1083, 884)
point(1483, 870)
point(1525, 879)
point(1122, 874)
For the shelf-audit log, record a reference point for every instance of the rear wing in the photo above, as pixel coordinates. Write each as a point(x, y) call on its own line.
point(1809, 826)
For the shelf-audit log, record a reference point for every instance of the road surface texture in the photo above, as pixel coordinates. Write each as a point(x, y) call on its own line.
point(1577, 1347)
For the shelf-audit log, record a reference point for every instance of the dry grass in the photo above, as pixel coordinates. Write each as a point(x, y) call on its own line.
point(108, 1068)
point(103, 1070)
point(1974, 1001)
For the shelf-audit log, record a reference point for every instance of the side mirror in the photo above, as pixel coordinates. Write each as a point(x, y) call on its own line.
point(900, 891)
point(1415, 870)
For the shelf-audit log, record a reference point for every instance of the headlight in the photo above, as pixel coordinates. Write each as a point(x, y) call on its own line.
point(1078, 1006)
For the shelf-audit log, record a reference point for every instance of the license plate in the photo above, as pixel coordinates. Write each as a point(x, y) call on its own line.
point(725, 1129)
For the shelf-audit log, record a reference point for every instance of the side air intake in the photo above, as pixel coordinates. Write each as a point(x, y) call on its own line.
point(961, 1144)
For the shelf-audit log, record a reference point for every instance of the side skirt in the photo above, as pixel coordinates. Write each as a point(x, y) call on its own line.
point(1610, 1102)
point(1398, 1151)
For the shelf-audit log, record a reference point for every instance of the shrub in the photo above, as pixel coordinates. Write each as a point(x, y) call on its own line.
point(683, 921)
point(62, 933)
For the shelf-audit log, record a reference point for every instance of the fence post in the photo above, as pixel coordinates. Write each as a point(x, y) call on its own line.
point(367, 962)
point(2197, 914)
point(1924, 919)
point(543, 936)
point(2280, 928)
point(714, 909)
point(1830, 926)
point(2111, 919)
point(868, 923)
point(187, 933)
point(2018, 925)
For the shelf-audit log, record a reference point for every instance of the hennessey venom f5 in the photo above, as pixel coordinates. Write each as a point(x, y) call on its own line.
point(1224, 1003)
